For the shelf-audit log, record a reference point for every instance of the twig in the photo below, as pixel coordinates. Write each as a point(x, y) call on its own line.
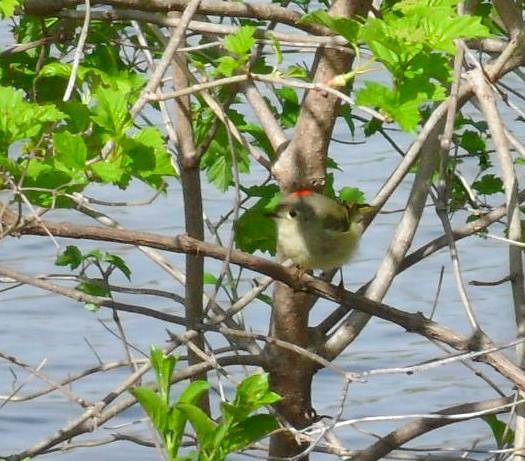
point(443, 185)
point(42, 376)
point(78, 52)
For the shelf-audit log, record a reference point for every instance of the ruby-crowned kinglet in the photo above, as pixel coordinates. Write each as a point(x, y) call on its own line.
point(317, 232)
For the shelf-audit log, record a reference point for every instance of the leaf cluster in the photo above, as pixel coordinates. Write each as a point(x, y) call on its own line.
point(414, 46)
point(237, 428)
point(106, 263)
point(52, 148)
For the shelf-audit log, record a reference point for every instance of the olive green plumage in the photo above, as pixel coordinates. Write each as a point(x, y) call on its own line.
point(316, 232)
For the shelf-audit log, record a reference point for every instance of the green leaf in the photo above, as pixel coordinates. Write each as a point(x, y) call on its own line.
point(20, 119)
point(220, 173)
point(458, 194)
point(109, 171)
point(79, 116)
point(209, 279)
point(93, 289)
point(444, 32)
point(70, 149)
point(111, 111)
point(227, 66)
point(95, 255)
point(249, 431)
point(92, 307)
point(152, 137)
point(503, 434)
point(36, 168)
point(295, 71)
point(265, 299)
point(488, 184)
point(406, 112)
point(276, 46)
point(194, 391)
point(345, 110)
point(178, 418)
point(154, 406)
point(200, 421)
point(46, 174)
point(255, 230)
point(348, 28)
point(7, 7)
point(290, 106)
point(254, 392)
point(352, 195)
point(55, 69)
point(269, 191)
point(163, 365)
point(71, 257)
point(240, 42)
point(372, 126)
point(147, 157)
point(472, 142)
point(119, 263)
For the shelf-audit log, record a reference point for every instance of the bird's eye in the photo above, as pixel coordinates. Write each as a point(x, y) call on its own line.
point(292, 213)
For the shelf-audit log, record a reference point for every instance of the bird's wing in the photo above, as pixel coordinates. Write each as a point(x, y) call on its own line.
point(339, 220)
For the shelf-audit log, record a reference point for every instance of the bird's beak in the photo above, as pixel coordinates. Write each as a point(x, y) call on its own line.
point(273, 214)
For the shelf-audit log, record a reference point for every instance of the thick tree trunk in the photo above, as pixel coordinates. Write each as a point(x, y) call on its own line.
point(303, 164)
point(290, 373)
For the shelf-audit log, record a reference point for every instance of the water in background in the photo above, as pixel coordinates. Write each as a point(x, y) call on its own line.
point(38, 326)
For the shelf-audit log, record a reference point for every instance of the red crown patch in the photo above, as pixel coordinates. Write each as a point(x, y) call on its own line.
point(303, 192)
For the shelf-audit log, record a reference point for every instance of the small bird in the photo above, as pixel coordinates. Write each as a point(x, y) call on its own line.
point(317, 232)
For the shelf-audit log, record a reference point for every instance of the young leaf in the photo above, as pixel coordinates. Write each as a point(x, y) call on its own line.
point(194, 391)
point(348, 28)
point(503, 434)
point(254, 392)
point(209, 279)
point(93, 289)
point(240, 42)
point(110, 171)
point(227, 66)
point(276, 46)
point(95, 255)
point(290, 106)
point(352, 195)
point(201, 422)
point(154, 406)
point(163, 366)
point(111, 111)
point(7, 7)
point(220, 172)
point(472, 142)
point(152, 137)
point(71, 257)
point(70, 149)
point(20, 119)
point(119, 263)
point(177, 419)
point(55, 69)
point(488, 184)
point(78, 116)
point(254, 230)
point(406, 112)
point(248, 431)
point(91, 307)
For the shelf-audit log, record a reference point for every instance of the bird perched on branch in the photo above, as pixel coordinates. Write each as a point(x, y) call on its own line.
point(317, 232)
